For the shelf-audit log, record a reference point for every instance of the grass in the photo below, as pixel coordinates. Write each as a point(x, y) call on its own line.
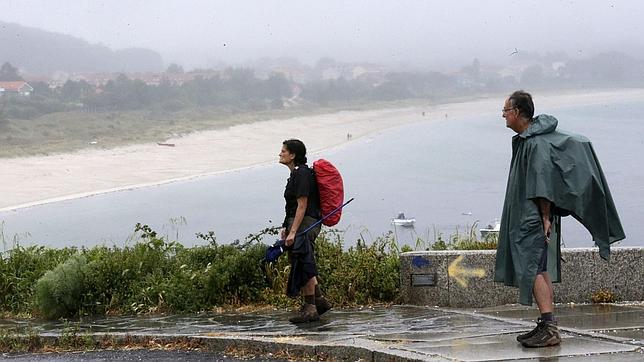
point(458, 240)
point(159, 275)
point(73, 339)
point(75, 130)
point(72, 131)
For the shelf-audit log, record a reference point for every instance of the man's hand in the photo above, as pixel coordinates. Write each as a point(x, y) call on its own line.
point(546, 229)
point(544, 209)
point(290, 239)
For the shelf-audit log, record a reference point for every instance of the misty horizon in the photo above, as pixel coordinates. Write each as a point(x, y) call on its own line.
point(420, 35)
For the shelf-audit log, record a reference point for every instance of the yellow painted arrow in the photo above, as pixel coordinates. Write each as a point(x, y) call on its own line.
point(460, 274)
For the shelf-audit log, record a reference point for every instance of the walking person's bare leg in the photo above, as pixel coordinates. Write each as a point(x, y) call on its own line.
point(309, 287)
point(543, 293)
point(546, 333)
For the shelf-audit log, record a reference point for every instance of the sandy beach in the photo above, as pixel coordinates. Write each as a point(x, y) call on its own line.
point(34, 180)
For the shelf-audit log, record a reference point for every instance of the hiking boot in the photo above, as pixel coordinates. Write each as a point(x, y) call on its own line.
point(548, 335)
point(524, 336)
point(322, 305)
point(307, 313)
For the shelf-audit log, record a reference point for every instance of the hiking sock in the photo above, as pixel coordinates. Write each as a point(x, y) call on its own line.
point(548, 317)
point(318, 292)
point(309, 299)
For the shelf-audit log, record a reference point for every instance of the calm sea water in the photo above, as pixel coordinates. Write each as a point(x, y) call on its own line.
point(449, 174)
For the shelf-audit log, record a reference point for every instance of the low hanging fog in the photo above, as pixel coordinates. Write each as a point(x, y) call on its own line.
point(423, 35)
point(100, 75)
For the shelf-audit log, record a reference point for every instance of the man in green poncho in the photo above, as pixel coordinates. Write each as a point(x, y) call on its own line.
point(552, 174)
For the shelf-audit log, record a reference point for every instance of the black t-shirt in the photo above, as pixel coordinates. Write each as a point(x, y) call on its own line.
point(302, 183)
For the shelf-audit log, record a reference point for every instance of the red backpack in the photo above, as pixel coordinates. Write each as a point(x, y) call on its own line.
point(331, 190)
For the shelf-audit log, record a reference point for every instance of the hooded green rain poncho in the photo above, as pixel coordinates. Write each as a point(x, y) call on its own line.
point(563, 169)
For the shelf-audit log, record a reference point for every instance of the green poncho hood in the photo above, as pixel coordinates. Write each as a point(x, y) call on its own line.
point(564, 169)
point(540, 125)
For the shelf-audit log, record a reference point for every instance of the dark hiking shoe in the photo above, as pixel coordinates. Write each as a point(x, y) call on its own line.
point(548, 335)
point(524, 336)
point(307, 313)
point(322, 305)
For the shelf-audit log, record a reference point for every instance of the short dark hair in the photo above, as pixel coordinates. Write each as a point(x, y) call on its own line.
point(296, 147)
point(522, 100)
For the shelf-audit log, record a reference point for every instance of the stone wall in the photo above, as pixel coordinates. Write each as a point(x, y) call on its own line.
point(465, 278)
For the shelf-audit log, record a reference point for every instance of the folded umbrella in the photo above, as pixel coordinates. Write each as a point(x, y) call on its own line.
point(273, 252)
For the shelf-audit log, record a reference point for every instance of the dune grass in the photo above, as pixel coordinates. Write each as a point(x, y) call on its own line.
point(76, 130)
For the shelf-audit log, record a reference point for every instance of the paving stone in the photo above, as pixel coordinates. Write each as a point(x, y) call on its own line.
point(397, 333)
point(635, 336)
point(505, 347)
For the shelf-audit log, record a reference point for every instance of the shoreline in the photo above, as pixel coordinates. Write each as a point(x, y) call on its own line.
point(36, 180)
point(204, 168)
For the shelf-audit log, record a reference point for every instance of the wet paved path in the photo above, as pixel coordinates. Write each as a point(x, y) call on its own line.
point(612, 332)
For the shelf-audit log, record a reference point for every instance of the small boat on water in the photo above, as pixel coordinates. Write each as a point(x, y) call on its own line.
point(492, 228)
point(401, 220)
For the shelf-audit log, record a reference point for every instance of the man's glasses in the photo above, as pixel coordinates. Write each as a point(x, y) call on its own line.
point(505, 110)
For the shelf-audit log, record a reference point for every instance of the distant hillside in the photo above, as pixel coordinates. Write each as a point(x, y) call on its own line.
point(41, 52)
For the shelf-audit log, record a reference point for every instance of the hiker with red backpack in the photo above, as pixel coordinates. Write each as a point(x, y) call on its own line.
point(302, 210)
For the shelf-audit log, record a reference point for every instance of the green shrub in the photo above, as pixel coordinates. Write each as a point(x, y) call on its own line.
point(59, 293)
point(110, 274)
point(20, 269)
point(361, 275)
point(155, 275)
point(236, 275)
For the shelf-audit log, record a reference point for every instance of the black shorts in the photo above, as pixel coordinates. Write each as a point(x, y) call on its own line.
point(543, 262)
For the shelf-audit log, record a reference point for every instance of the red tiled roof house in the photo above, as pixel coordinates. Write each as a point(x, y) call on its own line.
point(19, 87)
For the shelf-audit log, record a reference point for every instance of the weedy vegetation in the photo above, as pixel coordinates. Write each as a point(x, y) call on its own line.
point(158, 275)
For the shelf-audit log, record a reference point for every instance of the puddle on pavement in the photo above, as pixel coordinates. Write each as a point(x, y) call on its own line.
point(580, 316)
point(397, 323)
point(351, 321)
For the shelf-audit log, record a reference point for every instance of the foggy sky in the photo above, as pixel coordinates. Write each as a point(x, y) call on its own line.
point(421, 33)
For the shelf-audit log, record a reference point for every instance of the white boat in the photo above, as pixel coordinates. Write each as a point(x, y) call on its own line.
point(401, 220)
point(492, 228)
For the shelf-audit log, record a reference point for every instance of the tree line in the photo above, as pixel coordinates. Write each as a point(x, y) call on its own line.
point(239, 89)
point(236, 88)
